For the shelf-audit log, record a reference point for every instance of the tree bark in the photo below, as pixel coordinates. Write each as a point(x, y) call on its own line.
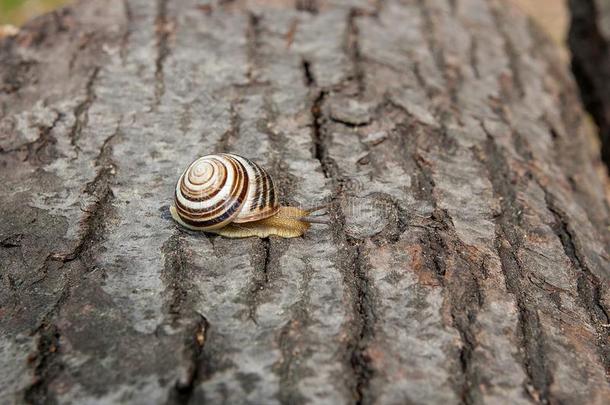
point(466, 259)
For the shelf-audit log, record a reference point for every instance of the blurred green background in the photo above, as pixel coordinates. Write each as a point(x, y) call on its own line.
point(16, 12)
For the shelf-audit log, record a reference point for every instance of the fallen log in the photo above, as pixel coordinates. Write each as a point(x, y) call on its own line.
point(466, 259)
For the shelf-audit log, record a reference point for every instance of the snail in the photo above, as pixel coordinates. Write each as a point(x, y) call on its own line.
point(232, 196)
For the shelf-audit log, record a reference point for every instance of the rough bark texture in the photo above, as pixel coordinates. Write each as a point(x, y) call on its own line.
point(589, 41)
point(466, 260)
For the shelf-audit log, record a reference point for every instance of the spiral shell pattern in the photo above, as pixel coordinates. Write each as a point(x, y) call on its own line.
point(218, 189)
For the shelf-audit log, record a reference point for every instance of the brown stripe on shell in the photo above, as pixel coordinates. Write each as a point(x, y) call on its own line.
point(263, 198)
point(259, 179)
point(272, 196)
point(265, 206)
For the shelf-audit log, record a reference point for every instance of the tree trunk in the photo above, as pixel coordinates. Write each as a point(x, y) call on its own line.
point(589, 41)
point(466, 259)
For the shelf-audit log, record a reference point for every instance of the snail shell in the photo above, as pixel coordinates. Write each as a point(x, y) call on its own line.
point(220, 189)
point(234, 197)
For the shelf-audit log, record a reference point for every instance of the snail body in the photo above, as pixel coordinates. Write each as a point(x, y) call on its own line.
point(232, 196)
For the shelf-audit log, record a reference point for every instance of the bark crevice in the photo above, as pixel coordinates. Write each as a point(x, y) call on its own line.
point(253, 34)
point(34, 151)
point(514, 60)
point(163, 29)
point(351, 256)
point(224, 144)
point(128, 29)
point(588, 285)
point(47, 364)
point(352, 46)
point(74, 265)
point(194, 343)
point(291, 342)
point(508, 241)
point(175, 275)
point(319, 150)
point(260, 279)
point(365, 310)
point(194, 326)
point(309, 6)
point(308, 76)
point(82, 109)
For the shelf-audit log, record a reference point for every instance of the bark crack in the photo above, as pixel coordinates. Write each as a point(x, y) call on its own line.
point(290, 341)
point(474, 60)
point(353, 49)
point(127, 34)
point(365, 310)
point(260, 279)
point(196, 335)
point(224, 144)
point(428, 30)
point(290, 34)
point(308, 76)
point(319, 150)
point(461, 278)
point(309, 6)
point(194, 325)
point(47, 364)
point(35, 148)
point(588, 285)
point(509, 240)
point(353, 262)
point(354, 266)
point(457, 273)
point(400, 216)
point(253, 34)
point(451, 74)
point(175, 273)
point(435, 245)
point(81, 112)
point(465, 305)
point(514, 60)
point(47, 360)
point(100, 188)
point(162, 30)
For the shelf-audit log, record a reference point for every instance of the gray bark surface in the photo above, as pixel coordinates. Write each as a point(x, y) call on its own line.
point(466, 260)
